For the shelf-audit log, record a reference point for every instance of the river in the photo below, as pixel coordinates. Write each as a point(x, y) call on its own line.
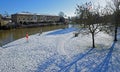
point(7, 36)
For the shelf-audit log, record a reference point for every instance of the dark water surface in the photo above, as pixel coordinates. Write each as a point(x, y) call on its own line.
point(7, 36)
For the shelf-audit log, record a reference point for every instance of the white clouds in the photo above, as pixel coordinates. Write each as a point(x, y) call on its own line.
point(102, 3)
point(70, 13)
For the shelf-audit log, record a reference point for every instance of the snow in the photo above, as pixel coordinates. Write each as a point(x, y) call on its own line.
point(60, 51)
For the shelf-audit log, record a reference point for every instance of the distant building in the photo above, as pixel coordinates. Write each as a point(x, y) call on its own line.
point(0, 19)
point(67, 21)
point(23, 18)
point(0, 16)
point(4, 20)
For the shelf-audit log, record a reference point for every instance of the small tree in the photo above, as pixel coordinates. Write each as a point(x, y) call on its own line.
point(89, 20)
point(62, 19)
point(61, 14)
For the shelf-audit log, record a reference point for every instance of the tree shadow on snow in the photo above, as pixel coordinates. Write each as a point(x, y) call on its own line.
point(104, 65)
point(92, 60)
point(84, 62)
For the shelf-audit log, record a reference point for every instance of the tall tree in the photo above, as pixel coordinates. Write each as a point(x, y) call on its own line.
point(117, 16)
point(115, 6)
point(89, 20)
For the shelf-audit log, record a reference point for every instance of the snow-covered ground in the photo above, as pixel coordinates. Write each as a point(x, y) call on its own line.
point(60, 51)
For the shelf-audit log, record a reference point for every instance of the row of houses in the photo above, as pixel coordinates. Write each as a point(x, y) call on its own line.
point(22, 18)
point(29, 18)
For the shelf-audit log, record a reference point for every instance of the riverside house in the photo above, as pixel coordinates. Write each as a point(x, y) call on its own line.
point(30, 18)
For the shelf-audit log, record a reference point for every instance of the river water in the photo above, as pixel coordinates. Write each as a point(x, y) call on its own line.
point(7, 36)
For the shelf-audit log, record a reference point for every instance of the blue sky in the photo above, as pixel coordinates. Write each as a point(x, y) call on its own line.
point(40, 6)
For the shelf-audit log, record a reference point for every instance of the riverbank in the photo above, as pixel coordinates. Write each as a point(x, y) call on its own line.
point(60, 51)
point(16, 26)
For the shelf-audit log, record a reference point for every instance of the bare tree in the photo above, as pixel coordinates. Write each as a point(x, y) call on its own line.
point(89, 20)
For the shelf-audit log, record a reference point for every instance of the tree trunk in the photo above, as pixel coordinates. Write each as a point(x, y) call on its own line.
point(115, 37)
point(116, 25)
point(93, 40)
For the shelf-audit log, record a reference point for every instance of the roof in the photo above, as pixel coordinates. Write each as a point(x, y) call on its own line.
point(28, 13)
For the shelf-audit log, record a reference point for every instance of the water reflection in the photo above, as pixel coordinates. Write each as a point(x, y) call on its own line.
point(7, 36)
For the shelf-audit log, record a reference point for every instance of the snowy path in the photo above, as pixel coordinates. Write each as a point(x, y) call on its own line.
point(61, 44)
